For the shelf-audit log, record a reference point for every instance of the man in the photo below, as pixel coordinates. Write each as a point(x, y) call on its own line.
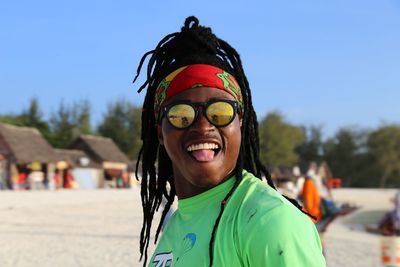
point(311, 198)
point(199, 124)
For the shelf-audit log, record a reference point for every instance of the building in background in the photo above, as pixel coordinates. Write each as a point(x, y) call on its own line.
point(105, 153)
point(27, 160)
point(76, 164)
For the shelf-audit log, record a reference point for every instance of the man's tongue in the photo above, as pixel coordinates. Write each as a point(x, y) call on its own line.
point(203, 155)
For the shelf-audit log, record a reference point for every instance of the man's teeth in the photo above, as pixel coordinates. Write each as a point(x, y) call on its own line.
point(202, 146)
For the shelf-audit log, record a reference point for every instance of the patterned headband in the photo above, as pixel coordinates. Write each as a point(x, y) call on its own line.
point(192, 76)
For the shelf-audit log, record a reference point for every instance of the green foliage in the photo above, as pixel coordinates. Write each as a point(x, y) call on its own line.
point(278, 140)
point(122, 124)
point(12, 119)
point(31, 117)
point(68, 123)
point(339, 152)
point(347, 155)
point(311, 147)
point(384, 145)
point(81, 117)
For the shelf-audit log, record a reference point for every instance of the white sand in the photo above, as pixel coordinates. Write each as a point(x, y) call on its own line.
point(101, 228)
point(347, 243)
point(70, 228)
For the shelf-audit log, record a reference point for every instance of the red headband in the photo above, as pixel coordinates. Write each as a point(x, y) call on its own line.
point(192, 76)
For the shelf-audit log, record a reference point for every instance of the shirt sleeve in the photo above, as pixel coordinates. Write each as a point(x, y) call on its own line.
point(281, 237)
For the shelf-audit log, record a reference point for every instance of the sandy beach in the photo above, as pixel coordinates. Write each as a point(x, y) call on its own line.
point(347, 242)
point(101, 228)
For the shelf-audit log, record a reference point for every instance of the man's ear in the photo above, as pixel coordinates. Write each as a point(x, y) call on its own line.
point(159, 134)
point(240, 122)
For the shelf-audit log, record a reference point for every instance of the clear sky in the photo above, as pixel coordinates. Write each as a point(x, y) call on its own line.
point(325, 63)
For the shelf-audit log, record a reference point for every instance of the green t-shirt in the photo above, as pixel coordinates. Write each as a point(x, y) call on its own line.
point(259, 228)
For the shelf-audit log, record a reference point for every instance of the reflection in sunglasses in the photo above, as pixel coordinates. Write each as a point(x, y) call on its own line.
point(185, 122)
point(218, 112)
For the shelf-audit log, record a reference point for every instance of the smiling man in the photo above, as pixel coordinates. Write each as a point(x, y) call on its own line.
point(199, 125)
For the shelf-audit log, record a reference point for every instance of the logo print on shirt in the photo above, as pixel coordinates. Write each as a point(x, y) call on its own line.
point(187, 244)
point(163, 259)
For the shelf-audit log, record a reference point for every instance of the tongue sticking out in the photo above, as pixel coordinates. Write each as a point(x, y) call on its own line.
point(203, 155)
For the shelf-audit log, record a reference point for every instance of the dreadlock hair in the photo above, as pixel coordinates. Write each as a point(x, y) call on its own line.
point(194, 44)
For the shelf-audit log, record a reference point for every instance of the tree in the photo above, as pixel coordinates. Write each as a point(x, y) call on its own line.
point(384, 145)
point(12, 119)
point(33, 117)
point(30, 117)
point(61, 127)
point(278, 140)
point(121, 123)
point(81, 117)
point(69, 122)
point(311, 148)
point(135, 129)
point(347, 156)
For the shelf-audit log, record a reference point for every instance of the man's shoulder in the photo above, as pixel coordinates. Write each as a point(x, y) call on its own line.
point(265, 212)
point(257, 192)
point(256, 200)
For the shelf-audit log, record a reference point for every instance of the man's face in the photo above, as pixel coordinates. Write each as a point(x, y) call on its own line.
point(202, 155)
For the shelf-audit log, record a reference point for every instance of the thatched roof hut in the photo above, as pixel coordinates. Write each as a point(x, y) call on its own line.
point(76, 158)
point(25, 145)
point(100, 149)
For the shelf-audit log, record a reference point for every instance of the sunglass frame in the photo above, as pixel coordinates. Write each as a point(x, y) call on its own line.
point(195, 105)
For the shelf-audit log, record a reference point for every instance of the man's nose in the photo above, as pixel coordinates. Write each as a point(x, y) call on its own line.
point(202, 124)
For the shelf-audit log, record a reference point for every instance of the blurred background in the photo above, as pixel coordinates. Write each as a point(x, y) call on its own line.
point(324, 77)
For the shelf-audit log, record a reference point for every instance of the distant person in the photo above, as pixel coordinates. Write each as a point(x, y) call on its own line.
point(125, 179)
point(287, 188)
point(311, 198)
point(57, 179)
point(36, 179)
point(119, 181)
point(69, 179)
point(22, 180)
point(390, 223)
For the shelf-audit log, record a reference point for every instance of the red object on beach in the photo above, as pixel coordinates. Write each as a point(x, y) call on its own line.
point(390, 251)
point(334, 183)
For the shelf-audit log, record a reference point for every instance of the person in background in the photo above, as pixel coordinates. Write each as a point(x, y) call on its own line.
point(311, 198)
point(390, 223)
point(68, 179)
point(57, 179)
point(125, 179)
point(22, 180)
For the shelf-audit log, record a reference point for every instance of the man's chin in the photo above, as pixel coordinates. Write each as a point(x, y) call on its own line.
point(207, 180)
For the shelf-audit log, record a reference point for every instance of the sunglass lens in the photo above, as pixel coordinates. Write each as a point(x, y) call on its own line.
point(181, 115)
point(220, 113)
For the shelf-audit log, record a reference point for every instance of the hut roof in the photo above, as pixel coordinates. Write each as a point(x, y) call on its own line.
point(74, 158)
point(27, 144)
point(102, 148)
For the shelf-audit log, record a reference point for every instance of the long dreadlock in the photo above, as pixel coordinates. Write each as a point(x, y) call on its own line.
point(194, 44)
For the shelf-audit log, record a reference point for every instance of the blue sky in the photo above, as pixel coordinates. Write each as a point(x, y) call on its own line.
point(326, 63)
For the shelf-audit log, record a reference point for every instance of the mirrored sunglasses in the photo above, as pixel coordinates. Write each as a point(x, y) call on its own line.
point(219, 112)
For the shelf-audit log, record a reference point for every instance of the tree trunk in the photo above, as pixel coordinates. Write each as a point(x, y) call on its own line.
point(382, 183)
